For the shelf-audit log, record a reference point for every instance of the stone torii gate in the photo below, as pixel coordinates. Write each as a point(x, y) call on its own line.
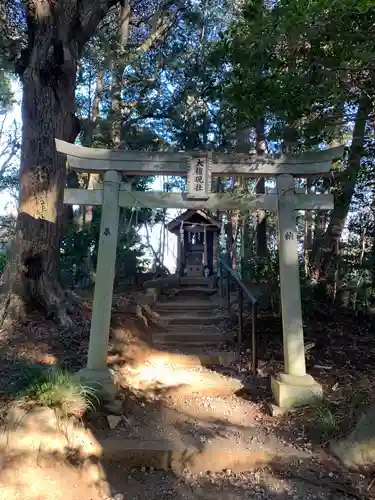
point(294, 386)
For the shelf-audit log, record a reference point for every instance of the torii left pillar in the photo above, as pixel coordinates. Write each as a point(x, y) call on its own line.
point(97, 371)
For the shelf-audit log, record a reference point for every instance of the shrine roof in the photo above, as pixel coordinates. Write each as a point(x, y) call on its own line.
point(188, 217)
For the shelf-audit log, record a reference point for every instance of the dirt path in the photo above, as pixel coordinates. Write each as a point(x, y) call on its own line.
point(259, 485)
point(40, 342)
point(38, 481)
point(30, 479)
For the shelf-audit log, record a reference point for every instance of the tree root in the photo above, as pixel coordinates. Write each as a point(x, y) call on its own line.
point(53, 298)
point(45, 293)
point(12, 310)
point(73, 299)
point(142, 311)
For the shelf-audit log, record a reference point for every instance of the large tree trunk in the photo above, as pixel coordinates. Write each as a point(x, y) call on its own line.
point(117, 71)
point(57, 32)
point(345, 181)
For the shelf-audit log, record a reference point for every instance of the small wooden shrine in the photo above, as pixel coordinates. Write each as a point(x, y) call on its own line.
point(198, 242)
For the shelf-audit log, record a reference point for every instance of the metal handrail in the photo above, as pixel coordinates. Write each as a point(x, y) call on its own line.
point(242, 291)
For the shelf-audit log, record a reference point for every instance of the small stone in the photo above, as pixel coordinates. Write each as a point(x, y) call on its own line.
point(113, 421)
point(143, 469)
point(152, 469)
point(118, 496)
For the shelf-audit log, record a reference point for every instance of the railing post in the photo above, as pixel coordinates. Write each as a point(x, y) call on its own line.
point(253, 339)
point(240, 314)
point(228, 291)
point(221, 278)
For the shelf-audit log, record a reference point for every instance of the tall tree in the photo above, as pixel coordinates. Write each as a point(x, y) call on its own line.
point(298, 65)
point(55, 34)
point(46, 39)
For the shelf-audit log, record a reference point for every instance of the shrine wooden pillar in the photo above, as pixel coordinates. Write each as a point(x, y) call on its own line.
point(178, 257)
point(205, 257)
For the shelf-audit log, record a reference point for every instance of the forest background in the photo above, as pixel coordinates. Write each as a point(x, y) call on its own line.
point(252, 76)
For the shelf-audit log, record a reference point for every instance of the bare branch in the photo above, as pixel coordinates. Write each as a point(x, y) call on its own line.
point(161, 22)
point(9, 140)
point(154, 252)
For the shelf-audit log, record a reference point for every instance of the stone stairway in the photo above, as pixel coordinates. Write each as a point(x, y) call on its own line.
point(187, 414)
point(193, 316)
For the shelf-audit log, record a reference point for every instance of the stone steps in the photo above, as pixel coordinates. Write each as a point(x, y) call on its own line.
point(191, 316)
point(191, 336)
point(170, 313)
point(197, 281)
point(176, 339)
point(189, 320)
point(182, 312)
point(183, 305)
point(196, 291)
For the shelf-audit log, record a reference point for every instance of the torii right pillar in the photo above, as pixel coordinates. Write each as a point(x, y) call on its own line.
point(294, 387)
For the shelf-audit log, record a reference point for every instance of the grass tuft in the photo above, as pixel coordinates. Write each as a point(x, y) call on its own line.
point(58, 389)
point(327, 419)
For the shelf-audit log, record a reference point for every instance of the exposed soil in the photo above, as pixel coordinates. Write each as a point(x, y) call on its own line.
point(341, 357)
point(258, 485)
point(27, 479)
point(39, 341)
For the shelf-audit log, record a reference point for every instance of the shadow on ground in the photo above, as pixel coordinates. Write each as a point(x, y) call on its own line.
point(51, 478)
point(43, 476)
point(65, 474)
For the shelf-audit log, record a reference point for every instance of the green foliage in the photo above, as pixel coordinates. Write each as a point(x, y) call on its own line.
point(301, 65)
point(77, 246)
point(3, 262)
point(326, 420)
point(79, 249)
point(58, 389)
point(296, 63)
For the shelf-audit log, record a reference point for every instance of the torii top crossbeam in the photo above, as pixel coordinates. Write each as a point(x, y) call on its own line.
point(169, 163)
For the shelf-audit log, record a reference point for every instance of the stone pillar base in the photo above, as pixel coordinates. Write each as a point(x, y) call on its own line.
point(103, 382)
point(291, 391)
